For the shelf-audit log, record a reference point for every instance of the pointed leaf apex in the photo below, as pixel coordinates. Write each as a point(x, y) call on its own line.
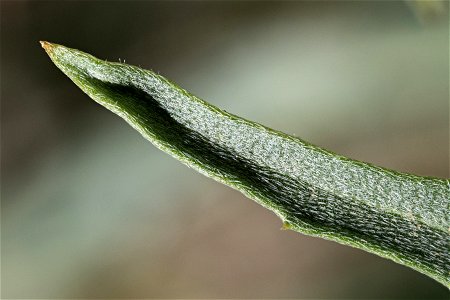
point(46, 45)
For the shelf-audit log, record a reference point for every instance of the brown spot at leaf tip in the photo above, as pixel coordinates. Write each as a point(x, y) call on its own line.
point(46, 45)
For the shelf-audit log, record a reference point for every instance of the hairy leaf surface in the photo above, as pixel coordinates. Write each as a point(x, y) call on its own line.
point(399, 216)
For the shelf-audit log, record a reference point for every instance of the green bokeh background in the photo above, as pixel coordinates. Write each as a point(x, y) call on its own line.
point(92, 210)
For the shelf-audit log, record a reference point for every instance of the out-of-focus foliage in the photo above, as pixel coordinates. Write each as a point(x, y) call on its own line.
point(428, 11)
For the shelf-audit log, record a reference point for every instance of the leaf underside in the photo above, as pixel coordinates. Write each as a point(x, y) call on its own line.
point(399, 216)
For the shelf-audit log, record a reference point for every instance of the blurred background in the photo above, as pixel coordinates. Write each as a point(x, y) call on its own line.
point(89, 209)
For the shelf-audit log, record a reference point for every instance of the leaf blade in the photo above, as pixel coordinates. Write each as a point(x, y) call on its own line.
point(314, 191)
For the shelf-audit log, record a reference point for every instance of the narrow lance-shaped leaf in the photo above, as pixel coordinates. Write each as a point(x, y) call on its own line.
point(395, 215)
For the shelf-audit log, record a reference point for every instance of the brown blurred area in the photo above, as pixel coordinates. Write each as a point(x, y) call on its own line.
point(92, 210)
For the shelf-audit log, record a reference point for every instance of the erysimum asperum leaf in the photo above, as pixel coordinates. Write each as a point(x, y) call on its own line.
point(399, 216)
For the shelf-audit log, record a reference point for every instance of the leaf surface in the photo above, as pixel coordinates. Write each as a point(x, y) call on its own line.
point(399, 216)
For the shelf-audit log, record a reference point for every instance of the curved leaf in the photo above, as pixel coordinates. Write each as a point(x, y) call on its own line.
point(399, 216)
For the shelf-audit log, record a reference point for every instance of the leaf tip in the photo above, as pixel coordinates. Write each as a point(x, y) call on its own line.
point(47, 46)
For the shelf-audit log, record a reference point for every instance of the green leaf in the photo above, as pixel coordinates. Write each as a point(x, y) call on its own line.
point(399, 216)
